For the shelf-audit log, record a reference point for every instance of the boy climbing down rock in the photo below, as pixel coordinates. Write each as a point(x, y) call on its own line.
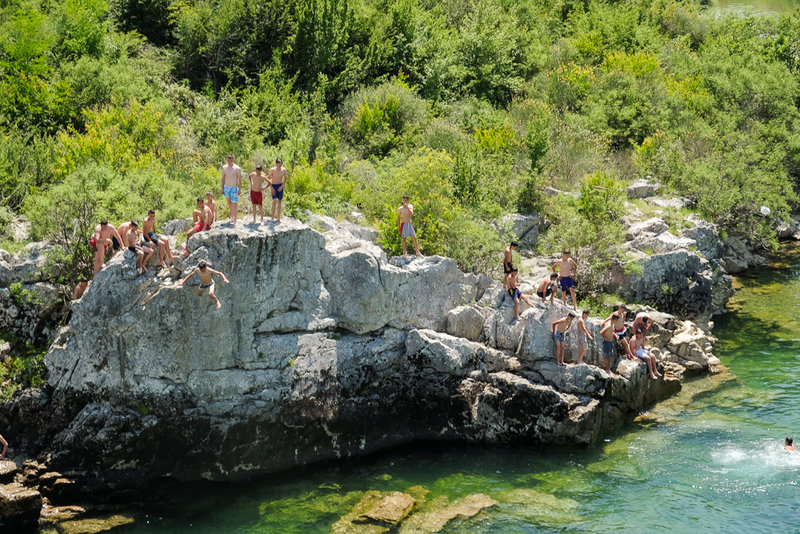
point(206, 281)
point(560, 327)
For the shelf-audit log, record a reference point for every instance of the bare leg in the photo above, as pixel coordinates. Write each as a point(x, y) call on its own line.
point(574, 301)
point(608, 365)
point(416, 246)
point(213, 297)
point(234, 211)
point(581, 354)
point(405, 252)
point(99, 256)
point(516, 310)
point(280, 209)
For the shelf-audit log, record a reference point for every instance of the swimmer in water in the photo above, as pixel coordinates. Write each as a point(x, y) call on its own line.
point(788, 445)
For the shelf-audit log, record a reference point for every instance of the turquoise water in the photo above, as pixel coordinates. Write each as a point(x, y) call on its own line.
point(709, 459)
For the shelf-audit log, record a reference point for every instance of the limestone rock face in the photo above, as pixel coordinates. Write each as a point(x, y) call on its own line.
point(526, 228)
point(324, 348)
point(642, 189)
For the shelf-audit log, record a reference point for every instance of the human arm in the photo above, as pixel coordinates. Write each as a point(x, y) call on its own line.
point(185, 279)
point(222, 187)
point(556, 269)
point(116, 234)
point(5, 446)
point(574, 269)
point(219, 273)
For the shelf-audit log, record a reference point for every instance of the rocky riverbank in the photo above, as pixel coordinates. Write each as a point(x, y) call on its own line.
point(324, 349)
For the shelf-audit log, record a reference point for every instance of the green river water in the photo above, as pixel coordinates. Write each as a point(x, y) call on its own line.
point(709, 459)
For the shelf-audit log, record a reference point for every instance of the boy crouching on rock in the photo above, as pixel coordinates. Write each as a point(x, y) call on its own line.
point(560, 327)
point(206, 281)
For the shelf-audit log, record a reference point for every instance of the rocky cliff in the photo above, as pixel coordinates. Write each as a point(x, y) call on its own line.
point(324, 348)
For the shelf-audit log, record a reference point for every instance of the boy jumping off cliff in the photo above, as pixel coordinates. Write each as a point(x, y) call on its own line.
point(567, 268)
point(560, 327)
point(404, 214)
point(206, 281)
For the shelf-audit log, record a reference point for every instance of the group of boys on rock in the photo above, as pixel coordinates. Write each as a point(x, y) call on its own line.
point(613, 330)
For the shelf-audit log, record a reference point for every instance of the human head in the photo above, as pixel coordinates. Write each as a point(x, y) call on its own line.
point(553, 276)
point(565, 254)
point(135, 223)
point(202, 265)
point(585, 313)
point(151, 212)
point(259, 167)
point(621, 307)
point(229, 157)
point(104, 223)
point(200, 200)
point(278, 162)
point(571, 315)
point(789, 441)
point(210, 195)
point(405, 199)
point(514, 244)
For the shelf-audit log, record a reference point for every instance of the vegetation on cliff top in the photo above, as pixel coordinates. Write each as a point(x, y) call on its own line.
point(471, 107)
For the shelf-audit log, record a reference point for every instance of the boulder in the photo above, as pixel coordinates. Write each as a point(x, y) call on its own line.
point(466, 322)
point(525, 228)
point(392, 509)
point(654, 226)
point(19, 229)
point(444, 512)
point(737, 256)
point(177, 226)
point(674, 203)
point(19, 508)
point(8, 470)
point(642, 189)
point(705, 236)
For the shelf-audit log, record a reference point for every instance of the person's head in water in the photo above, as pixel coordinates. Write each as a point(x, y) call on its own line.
point(789, 442)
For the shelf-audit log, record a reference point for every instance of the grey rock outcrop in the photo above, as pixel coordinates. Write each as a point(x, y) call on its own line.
point(525, 228)
point(324, 348)
point(642, 189)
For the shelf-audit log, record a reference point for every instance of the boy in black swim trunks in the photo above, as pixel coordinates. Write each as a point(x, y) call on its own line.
point(508, 258)
point(206, 281)
point(547, 288)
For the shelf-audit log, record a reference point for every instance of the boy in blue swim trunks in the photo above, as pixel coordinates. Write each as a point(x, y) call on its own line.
point(637, 345)
point(277, 180)
point(516, 294)
point(231, 185)
point(560, 327)
point(567, 268)
point(607, 333)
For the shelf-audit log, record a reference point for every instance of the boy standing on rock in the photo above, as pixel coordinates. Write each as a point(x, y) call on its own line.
point(101, 238)
point(583, 333)
point(257, 192)
point(508, 257)
point(607, 333)
point(206, 281)
point(132, 242)
point(619, 329)
point(404, 214)
point(567, 268)
point(231, 186)
point(212, 206)
point(277, 179)
point(560, 327)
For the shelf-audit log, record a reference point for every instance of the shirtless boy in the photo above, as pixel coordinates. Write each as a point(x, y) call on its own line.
point(101, 238)
point(516, 294)
point(132, 242)
point(788, 444)
point(619, 329)
point(642, 320)
point(277, 180)
point(567, 268)
point(156, 240)
point(257, 181)
point(560, 327)
point(508, 257)
point(583, 333)
point(406, 229)
point(206, 281)
point(231, 186)
point(201, 217)
point(607, 333)
point(637, 345)
point(547, 288)
point(212, 206)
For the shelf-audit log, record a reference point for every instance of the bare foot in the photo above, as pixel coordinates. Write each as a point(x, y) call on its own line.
point(419, 255)
point(654, 377)
point(139, 270)
point(219, 304)
point(163, 265)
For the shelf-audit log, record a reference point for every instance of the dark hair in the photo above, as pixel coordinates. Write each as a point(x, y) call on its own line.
point(151, 212)
point(572, 314)
point(258, 167)
point(230, 156)
point(553, 276)
point(202, 265)
point(585, 312)
point(789, 441)
point(565, 252)
point(645, 319)
point(514, 244)
point(621, 305)
point(200, 199)
point(279, 160)
point(614, 316)
point(405, 196)
point(103, 222)
point(135, 223)
point(514, 270)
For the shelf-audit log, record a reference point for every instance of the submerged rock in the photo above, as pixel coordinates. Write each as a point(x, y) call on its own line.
point(443, 513)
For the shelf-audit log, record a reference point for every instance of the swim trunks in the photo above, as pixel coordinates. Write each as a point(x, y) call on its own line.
point(514, 292)
point(154, 237)
point(608, 349)
point(132, 249)
point(94, 244)
point(407, 230)
point(256, 197)
point(545, 295)
point(560, 336)
point(621, 334)
point(583, 343)
point(204, 286)
point(231, 192)
point(114, 243)
point(199, 227)
point(508, 268)
point(641, 353)
point(567, 282)
point(277, 195)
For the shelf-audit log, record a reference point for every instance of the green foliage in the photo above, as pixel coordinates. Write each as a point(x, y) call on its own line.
point(23, 369)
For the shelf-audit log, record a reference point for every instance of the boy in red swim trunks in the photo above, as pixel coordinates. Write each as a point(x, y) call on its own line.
point(620, 331)
point(201, 217)
point(101, 238)
point(206, 281)
point(257, 181)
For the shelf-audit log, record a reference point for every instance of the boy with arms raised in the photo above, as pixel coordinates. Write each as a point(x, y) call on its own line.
point(206, 281)
point(560, 327)
point(567, 268)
